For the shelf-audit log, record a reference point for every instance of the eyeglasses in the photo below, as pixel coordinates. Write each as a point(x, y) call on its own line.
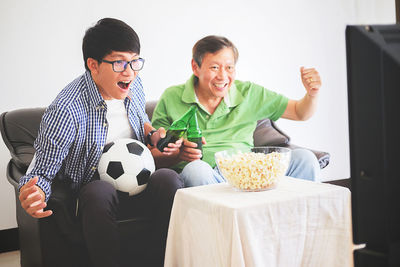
point(121, 65)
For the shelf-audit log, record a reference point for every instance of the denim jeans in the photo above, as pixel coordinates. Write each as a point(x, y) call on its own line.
point(303, 165)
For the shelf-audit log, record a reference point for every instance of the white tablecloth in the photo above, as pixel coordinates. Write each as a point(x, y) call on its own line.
point(299, 223)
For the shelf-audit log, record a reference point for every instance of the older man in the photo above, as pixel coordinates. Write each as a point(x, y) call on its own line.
point(229, 110)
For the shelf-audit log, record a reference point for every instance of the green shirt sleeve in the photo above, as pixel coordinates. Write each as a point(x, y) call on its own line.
point(260, 102)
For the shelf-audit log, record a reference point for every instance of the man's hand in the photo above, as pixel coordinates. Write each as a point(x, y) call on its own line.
point(311, 80)
point(190, 152)
point(32, 199)
point(172, 148)
point(303, 109)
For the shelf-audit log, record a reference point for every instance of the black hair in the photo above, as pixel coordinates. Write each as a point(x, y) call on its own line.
point(212, 44)
point(106, 36)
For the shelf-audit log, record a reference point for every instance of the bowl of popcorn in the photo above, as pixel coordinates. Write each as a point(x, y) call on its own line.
point(253, 169)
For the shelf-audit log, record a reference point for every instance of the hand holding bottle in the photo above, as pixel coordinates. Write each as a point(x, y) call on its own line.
point(170, 147)
point(194, 133)
point(190, 151)
point(177, 129)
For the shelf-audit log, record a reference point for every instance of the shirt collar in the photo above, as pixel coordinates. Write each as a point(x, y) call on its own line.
point(94, 95)
point(189, 95)
point(233, 98)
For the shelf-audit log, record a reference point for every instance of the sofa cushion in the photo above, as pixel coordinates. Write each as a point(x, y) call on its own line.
point(267, 134)
point(150, 106)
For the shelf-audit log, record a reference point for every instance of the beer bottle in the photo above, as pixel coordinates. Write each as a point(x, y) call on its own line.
point(177, 129)
point(194, 132)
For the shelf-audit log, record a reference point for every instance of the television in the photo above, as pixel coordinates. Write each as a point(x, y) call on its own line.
point(373, 77)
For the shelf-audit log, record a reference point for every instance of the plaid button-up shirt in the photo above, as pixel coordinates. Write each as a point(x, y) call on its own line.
point(73, 132)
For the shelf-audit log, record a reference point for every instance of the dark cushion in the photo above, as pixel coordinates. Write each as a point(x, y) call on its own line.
point(267, 134)
point(150, 106)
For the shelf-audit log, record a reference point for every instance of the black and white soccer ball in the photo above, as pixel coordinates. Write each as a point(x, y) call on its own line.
point(127, 164)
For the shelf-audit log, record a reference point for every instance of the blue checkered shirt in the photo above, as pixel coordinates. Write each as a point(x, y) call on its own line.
point(73, 132)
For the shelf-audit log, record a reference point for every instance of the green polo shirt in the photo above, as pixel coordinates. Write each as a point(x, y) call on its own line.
point(233, 122)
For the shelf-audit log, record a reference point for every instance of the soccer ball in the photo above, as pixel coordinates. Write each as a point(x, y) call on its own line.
point(127, 164)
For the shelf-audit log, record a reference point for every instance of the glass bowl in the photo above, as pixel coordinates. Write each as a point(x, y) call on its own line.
point(253, 169)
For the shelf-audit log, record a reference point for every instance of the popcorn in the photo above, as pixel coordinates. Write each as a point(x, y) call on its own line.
point(254, 171)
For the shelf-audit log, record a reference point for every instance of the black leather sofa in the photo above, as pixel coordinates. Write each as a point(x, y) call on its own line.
point(47, 242)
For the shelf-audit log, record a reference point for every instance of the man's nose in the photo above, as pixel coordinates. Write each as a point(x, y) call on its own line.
point(222, 74)
point(128, 71)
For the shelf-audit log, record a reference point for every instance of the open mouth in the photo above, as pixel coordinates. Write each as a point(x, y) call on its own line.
point(124, 85)
point(220, 86)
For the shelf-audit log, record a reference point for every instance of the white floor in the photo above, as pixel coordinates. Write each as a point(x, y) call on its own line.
point(10, 259)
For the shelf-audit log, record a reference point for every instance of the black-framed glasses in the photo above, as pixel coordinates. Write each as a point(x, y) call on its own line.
point(121, 65)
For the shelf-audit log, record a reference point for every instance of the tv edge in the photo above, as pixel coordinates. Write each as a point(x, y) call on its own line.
point(373, 74)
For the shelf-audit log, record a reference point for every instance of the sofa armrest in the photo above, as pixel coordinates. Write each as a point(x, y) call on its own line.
point(267, 133)
point(322, 156)
point(19, 130)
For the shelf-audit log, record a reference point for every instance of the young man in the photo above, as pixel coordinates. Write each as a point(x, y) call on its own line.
point(229, 110)
point(104, 104)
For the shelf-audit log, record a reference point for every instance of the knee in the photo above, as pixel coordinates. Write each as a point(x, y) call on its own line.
point(305, 165)
point(98, 196)
point(161, 188)
point(304, 156)
point(166, 178)
point(97, 190)
point(197, 173)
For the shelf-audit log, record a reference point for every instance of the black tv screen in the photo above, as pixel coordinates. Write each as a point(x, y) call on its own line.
point(373, 75)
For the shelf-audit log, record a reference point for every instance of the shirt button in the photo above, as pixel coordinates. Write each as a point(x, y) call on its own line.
point(105, 124)
point(94, 168)
point(102, 147)
point(207, 116)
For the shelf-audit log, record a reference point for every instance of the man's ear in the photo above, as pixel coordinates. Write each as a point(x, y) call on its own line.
point(93, 65)
point(195, 68)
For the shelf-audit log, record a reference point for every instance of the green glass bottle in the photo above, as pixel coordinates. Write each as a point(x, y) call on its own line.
point(177, 129)
point(194, 133)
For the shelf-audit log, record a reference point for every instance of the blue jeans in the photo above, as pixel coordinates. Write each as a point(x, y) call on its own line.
point(303, 165)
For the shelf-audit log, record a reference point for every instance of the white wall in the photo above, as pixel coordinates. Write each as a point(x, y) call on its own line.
point(40, 52)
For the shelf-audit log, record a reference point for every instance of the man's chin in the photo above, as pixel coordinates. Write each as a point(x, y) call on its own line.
point(123, 93)
point(119, 96)
point(221, 93)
